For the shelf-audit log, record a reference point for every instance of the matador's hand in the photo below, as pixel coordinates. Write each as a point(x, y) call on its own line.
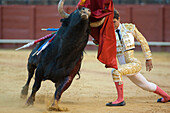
point(149, 65)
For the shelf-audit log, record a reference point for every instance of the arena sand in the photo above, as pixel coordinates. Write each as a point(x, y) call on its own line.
point(89, 94)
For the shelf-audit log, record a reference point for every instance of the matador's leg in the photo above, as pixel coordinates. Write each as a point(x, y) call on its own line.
point(141, 81)
point(131, 67)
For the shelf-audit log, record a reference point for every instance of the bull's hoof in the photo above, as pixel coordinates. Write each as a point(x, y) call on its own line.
point(30, 101)
point(23, 96)
point(57, 108)
point(24, 92)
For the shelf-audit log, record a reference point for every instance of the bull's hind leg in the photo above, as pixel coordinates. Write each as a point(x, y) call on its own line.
point(24, 91)
point(36, 86)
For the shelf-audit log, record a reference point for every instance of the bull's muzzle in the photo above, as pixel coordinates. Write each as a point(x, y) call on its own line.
point(85, 13)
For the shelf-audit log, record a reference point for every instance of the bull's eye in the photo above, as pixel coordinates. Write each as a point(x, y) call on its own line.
point(89, 11)
point(83, 8)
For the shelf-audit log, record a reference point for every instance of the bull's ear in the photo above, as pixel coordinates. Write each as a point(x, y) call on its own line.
point(64, 21)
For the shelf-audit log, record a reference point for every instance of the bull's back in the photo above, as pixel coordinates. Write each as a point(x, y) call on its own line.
point(33, 59)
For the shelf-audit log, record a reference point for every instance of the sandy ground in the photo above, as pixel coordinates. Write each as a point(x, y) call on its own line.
point(89, 94)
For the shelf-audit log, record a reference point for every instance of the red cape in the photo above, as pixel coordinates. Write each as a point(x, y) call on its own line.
point(104, 34)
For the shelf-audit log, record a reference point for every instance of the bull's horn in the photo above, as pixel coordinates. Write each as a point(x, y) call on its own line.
point(61, 10)
point(98, 23)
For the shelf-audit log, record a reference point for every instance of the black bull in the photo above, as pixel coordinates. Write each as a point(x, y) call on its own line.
point(61, 60)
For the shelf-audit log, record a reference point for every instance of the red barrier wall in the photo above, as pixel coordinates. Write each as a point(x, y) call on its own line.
point(18, 22)
point(167, 24)
point(25, 21)
point(166, 30)
point(125, 13)
point(0, 22)
point(46, 17)
point(149, 20)
point(70, 9)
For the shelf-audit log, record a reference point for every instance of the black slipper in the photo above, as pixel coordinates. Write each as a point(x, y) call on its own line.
point(160, 100)
point(118, 104)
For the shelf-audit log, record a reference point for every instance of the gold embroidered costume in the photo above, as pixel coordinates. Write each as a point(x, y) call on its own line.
point(129, 65)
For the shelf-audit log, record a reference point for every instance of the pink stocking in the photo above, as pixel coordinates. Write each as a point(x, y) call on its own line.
point(160, 92)
point(120, 97)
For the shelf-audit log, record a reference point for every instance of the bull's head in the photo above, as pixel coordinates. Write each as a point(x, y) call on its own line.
point(85, 13)
point(76, 17)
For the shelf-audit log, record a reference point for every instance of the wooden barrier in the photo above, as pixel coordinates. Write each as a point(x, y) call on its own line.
point(166, 29)
point(25, 22)
point(18, 22)
point(125, 12)
point(0, 22)
point(46, 17)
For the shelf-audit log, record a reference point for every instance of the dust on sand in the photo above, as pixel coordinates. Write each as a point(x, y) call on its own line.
point(89, 94)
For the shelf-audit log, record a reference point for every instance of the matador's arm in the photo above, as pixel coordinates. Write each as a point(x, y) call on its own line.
point(144, 45)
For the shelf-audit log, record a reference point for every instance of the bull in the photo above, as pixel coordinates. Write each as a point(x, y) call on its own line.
point(61, 60)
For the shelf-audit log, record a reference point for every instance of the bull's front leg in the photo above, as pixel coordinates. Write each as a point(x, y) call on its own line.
point(60, 88)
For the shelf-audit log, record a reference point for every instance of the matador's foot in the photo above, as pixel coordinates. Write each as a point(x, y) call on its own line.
point(162, 100)
point(116, 104)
